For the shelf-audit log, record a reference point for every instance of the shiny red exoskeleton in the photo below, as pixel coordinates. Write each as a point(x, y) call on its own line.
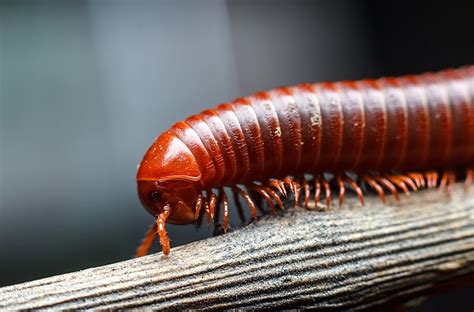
point(395, 134)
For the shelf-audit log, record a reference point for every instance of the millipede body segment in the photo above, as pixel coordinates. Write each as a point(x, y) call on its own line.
point(387, 135)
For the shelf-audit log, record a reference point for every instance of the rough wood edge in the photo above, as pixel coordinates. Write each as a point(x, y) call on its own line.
point(346, 258)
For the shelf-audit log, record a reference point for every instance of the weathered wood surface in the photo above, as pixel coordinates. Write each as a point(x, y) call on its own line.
point(346, 258)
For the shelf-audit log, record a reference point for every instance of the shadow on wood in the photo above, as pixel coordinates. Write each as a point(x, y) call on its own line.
point(347, 258)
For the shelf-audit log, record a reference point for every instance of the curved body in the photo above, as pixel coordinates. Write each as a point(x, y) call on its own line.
point(423, 122)
point(412, 122)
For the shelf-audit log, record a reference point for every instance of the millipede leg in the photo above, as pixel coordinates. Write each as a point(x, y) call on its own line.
point(197, 207)
point(217, 229)
point(452, 182)
point(297, 188)
point(356, 188)
point(399, 183)
point(448, 179)
point(418, 178)
point(327, 189)
point(432, 179)
point(435, 177)
point(257, 198)
point(249, 201)
point(307, 192)
point(275, 196)
point(225, 206)
point(147, 241)
point(408, 181)
point(429, 180)
point(212, 203)
point(294, 187)
point(238, 204)
point(444, 180)
point(389, 185)
point(160, 223)
point(260, 190)
point(317, 190)
point(342, 189)
point(207, 210)
point(469, 178)
point(376, 187)
point(289, 182)
point(279, 185)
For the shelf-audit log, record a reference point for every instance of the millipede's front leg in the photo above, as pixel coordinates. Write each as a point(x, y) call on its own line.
point(147, 241)
point(161, 230)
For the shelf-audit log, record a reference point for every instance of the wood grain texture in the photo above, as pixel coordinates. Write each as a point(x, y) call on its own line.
point(347, 258)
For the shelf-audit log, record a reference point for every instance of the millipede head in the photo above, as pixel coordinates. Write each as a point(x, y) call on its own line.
point(169, 174)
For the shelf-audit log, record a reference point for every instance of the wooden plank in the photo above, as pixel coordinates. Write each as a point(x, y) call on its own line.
point(346, 258)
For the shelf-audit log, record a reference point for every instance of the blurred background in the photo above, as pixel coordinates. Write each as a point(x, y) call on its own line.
point(85, 86)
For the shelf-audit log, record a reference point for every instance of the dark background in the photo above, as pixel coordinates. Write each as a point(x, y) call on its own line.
point(87, 85)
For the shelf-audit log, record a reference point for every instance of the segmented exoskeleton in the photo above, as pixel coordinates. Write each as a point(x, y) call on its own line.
point(393, 134)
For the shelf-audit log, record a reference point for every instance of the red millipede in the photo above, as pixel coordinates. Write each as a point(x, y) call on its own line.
point(393, 134)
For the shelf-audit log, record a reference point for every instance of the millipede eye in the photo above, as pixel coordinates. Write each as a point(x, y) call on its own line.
point(155, 195)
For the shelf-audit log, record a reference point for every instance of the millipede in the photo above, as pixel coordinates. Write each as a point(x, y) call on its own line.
point(387, 135)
